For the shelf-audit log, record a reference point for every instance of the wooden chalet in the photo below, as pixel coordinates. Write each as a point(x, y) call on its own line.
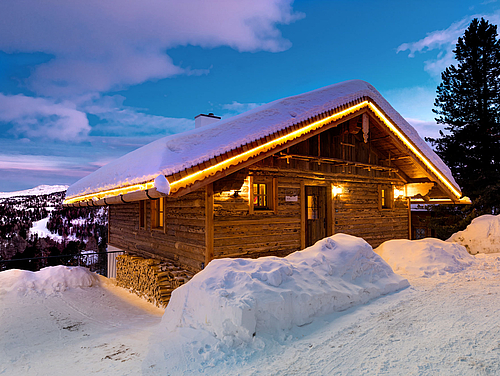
point(271, 181)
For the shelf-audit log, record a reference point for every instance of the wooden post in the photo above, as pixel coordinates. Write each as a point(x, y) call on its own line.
point(330, 207)
point(275, 195)
point(209, 223)
point(302, 215)
point(409, 218)
point(250, 195)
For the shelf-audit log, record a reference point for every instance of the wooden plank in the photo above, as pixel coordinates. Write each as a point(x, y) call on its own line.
point(261, 221)
point(330, 208)
point(250, 195)
point(302, 215)
point(409, 218)
point(209, 223)
point(275, 195)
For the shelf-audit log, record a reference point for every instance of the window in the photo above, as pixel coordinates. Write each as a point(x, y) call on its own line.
point(158, 213)
point(261, 196)
point(420, 233)
point(385, 197)
point(312, 207)
point(142, 214)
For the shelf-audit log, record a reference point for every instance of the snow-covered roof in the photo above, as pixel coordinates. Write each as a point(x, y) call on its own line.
point(178, 152)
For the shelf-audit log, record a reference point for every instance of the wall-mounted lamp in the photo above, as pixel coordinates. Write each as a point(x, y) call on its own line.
point(399, 193)
point(336, 190)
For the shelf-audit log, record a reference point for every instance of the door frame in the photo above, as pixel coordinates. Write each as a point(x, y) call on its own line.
point(330, 208)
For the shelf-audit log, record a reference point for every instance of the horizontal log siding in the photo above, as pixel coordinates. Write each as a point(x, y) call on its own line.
point(357, 213)
point(240, 234)
point(183, 240)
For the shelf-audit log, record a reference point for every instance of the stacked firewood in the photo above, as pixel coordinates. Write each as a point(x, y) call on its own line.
point(154, 280)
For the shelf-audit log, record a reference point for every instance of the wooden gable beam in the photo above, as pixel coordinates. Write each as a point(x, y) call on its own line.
point(405, 150)
point(220, 174)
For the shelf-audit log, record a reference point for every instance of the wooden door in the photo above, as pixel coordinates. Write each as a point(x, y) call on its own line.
point(316, 211)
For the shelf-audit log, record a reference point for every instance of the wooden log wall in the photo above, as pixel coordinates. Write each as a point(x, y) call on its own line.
point(150, 279)
point(237, 233)
point(357, 213)
point(181, 241)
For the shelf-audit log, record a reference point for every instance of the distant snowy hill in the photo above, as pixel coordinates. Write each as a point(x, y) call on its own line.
point(34, 224)
point(37, 191)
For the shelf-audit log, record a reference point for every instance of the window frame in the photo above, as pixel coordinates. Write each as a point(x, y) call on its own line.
point(385, 197)
point(158, 214)
point(142, 214)
point(271, 194)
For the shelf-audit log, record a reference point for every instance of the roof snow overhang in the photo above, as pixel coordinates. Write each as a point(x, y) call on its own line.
point(357, 97)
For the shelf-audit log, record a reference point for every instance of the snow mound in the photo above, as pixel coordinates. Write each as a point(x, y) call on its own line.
point(481, 236)
point(425, 257)
point(235, 299)
point(48, 280)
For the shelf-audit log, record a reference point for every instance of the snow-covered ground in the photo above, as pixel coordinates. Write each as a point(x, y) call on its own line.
point(71, 322)
point(61, 322)
point(40, 229)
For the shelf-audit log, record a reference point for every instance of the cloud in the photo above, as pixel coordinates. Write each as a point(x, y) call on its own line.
point(426, 128)
point(444, 41)
point(235, 108)
point(43, 118)
point(37, 163)
point(101, 45)
point(118, 120)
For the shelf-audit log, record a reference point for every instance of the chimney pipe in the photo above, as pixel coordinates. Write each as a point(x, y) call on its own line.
point(202, 119)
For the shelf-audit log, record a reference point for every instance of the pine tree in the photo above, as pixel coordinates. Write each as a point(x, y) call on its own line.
point(468, 104)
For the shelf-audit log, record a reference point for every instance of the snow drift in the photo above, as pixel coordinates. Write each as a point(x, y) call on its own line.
point(425, 257)
point(48, 280)
point(481, 236)
point(235, 299)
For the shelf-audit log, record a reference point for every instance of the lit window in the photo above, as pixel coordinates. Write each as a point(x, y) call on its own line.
point(260, 196)
point(312, 207)
point(158, 213)
point(385, 197)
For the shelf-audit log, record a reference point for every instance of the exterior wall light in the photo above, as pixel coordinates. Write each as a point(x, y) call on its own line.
point(336, 190)
point(399, 193)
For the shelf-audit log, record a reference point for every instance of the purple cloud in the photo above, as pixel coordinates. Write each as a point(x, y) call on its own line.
point(43, 118)
point(101, 45)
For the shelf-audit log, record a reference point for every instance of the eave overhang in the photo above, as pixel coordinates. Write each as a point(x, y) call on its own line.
point(203, 173)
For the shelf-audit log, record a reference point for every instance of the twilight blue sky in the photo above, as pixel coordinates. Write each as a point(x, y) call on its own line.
point(84, 82)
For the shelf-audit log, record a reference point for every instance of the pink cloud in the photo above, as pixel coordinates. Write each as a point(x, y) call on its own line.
point(41, 163)
point(99, 45)
point(43, 118)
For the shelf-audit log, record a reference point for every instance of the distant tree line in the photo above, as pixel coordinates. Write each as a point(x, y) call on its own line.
point(79, 230)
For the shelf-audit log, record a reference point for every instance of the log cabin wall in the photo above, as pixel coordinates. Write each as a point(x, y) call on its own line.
point(238, 232)
point(343, 156)
point(182, 240)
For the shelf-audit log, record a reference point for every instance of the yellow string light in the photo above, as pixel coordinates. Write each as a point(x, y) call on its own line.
point(212, 170)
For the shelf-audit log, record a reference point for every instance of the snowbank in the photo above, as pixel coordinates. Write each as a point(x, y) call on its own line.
point(425, 257)
point(481, 236)
point(235, 299)
point(48, 280)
